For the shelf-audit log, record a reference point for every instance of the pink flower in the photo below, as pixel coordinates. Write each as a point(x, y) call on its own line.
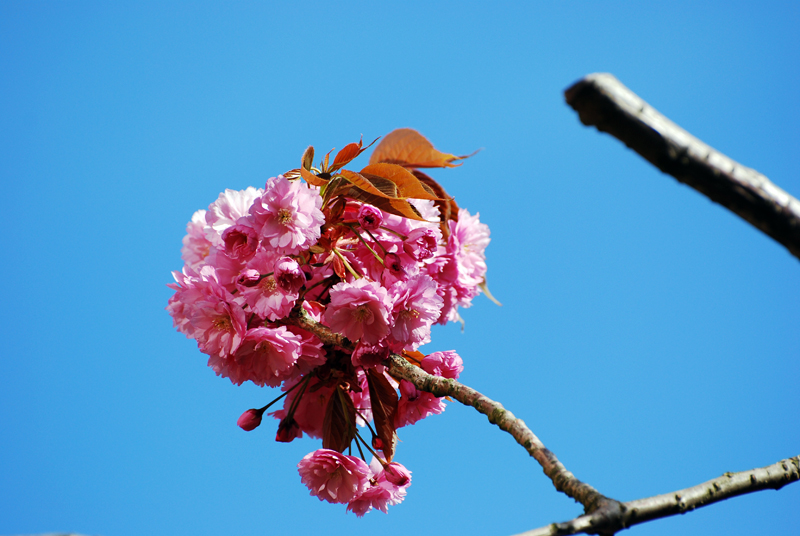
point(421, 244)
point(416, 306)
point(446, 364)
point(359, 310)
point(332, 476)
point(226, 210)
point(287, 216)
point(203, 310)
point(219, 325)
point(387, 487)
point(468, 240)
point(266, 299)
point(369, 217)
point(415, 405)
point(195, 244)
point(265, 357)
point(250, 420)
point(374, 496)
point(241, 242)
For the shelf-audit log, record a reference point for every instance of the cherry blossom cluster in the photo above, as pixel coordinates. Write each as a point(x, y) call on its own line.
point(291, 286)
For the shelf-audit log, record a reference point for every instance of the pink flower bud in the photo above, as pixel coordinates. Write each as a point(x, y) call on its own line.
point(397, 474)
point(287, 430)
point(395, 266)
point(369, 217)
point(288, 275)
point(250, 420)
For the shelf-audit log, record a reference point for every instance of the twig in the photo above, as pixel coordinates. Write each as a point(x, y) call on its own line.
point(729, 485)
point(604, 102)
point(605, 511)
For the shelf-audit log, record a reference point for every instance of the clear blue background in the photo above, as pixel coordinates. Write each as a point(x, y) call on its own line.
point(648, 336)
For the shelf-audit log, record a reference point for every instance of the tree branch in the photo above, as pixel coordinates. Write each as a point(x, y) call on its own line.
point(605, 511)
point(604, 102)
point(729, 485)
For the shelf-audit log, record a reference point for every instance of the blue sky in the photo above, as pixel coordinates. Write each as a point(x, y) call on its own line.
point(647, 336)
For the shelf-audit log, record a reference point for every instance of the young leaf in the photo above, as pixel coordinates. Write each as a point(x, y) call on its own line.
point(312, 179)
point(407, 184)
point(308, 157)
point(398, 207)
point(350, 151)
point(414, 357)
point(408, 148)
point(381, 189)
point(448, 209)
point(383, 398)
point(339, 425)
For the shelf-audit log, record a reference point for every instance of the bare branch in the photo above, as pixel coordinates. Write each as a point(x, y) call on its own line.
point(604, 102)
point(729, 485)
point(605, 510)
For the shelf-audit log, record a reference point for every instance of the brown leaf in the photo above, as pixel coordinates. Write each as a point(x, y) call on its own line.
point(383, 398)
point(407, 184)
point(308, 157)
point(448, 209)
point(292, 174)
point(414, 357)
point(408, 148)
point(350, 151)
point(363, 183)
point(398, 207)
point(339, 425)
point(312, 179)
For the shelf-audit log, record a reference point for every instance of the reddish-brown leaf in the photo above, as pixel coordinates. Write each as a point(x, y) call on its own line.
point(408, 148)
point(398, 207)
point(448, 209)
point(312, 179)
point(383, 398)
point(292, 174)
point(350, 151)
point(407, 184)
point(308, 157)
point(339, 425)
point(361, 182)
point(414, 357)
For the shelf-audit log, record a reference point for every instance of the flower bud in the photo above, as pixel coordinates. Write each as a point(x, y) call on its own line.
point(288, 430)
point(392, 262)
point(250, 420)
point(288, 275)
point(397, 474)
point(369, 217)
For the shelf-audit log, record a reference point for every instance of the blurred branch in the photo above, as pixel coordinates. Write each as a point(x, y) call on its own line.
point(729, 485)
point(604, 102)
